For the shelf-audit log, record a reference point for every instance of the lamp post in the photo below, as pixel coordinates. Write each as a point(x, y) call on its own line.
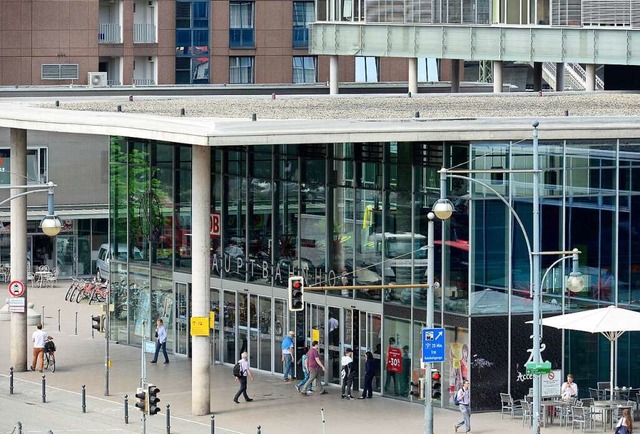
point(443, 209)
point(428, 395)
point(51, 226)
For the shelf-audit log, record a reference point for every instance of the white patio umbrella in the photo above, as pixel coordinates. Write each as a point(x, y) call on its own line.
point(611, 321)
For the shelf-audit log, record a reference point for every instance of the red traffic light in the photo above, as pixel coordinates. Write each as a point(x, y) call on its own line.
point(435, 376)
point(297, 284)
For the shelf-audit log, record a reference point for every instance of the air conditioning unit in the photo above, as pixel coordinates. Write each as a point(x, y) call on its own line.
point(97, 79)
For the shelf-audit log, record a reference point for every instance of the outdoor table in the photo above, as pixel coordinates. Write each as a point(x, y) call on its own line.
point(608, 407)
point(549, 407)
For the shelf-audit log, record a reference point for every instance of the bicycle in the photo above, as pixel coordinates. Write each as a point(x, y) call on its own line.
point(50, 355)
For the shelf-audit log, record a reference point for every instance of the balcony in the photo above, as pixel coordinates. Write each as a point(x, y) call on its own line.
point(109, 33)
point(144, 34)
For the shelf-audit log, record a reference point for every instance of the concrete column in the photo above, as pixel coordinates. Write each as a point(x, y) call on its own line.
point(560, 77)
point(200, 271)
point(413, 75)
point(537, 76)
point(497, 76)
point(18, 156)
point(590, 85)
point(455, 76)
point(333, 75)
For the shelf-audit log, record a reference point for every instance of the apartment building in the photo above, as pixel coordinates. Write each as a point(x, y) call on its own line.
point(166, 42)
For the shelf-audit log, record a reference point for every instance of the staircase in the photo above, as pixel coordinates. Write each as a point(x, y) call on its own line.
point(575, 77)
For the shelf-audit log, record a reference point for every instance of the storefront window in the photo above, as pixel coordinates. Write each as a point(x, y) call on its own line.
point(182, 213)
point(119, 298)
point(139, 304)
point(161, 205)
point(397, 335)
point(162, 303)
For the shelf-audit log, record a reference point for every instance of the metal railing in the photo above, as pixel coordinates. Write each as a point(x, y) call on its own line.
point(144, 82)
point(575, 77)
point(144, 33)
point(109, 33)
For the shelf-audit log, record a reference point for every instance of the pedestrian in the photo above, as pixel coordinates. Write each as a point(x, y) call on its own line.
point(569, 389)
point(287, 356)
point(463, 397)
point(245, 371)
point(315, 369)
point(347, 373)
point(369, 374)
point(625, 424)
point(161, 341)
point(305, 369)
point(39, 337)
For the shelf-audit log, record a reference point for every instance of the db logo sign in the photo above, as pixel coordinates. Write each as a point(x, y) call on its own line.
point(214, 224)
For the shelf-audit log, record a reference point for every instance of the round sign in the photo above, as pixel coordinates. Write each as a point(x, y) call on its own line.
point(16, 288)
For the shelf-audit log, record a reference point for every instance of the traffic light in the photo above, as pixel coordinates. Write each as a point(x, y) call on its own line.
point(141, 395)
point(153, 400)
point(97, 322)
point(436, 387)
point(296, 293)
point(417, 388)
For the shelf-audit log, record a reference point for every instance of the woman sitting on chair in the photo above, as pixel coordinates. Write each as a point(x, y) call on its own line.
point(625, 424)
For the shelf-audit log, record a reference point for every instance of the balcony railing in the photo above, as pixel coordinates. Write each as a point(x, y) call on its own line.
point(143, 82)
point(144, 33)
point(109, 33)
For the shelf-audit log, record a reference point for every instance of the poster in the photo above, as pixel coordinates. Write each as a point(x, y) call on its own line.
point(551, 383)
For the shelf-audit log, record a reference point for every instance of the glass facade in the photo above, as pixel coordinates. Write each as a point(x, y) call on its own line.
point(356, 213)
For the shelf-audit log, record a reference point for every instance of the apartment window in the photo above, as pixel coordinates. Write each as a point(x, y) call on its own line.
point(303, 14)
point(304, 69)
point(241, 70)
point(241, 25)
point(367, 69)
point(192, 42)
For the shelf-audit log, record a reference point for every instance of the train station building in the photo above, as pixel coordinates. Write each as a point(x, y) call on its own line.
point(213, 214)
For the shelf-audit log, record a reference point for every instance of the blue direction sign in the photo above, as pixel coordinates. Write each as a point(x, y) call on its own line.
point(432, 345)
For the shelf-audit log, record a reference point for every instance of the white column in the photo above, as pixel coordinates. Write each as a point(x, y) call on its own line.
point(413, 75)
point(200, 271)
point(497, 76)
point(333, 75)
point(560, 77)
point(590, 85)
point(18, 166)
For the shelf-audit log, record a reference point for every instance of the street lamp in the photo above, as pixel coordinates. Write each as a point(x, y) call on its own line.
point(443, 209)
point(50, 224)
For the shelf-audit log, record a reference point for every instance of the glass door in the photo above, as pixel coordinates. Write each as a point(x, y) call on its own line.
point(67, 255)
point(315, 330)
point(182, 319)
point(369, 340)
point(229, 322)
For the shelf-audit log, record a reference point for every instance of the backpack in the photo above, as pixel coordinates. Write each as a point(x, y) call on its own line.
point(455, 399)
point(237, 370)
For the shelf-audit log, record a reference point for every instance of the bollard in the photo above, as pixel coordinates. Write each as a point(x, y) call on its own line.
point(44, 386)
point(273, 95)
point(130, 98)
point(119, 108)
point(42, 319)
point(19, 427)
point(183, 112)
point(92, 329)
point(168, 419)
point(566, 112)
point(57, 103)
point(409, 94)
point(259, 430)
point(11, 380)
point(213, 424)
point(417, 115)
point(58, 320)
point(254, 117)
point(126, 409)
point(75, 332)
point(84, 399)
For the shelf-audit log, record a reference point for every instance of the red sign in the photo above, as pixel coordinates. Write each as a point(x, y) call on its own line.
point(214, 227)
point(394, 360)
point(16, 288)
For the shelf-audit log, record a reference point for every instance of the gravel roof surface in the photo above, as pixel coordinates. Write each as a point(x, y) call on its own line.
point(601, 104)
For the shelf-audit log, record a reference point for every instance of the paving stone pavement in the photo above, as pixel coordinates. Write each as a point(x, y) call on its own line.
point(277, 407)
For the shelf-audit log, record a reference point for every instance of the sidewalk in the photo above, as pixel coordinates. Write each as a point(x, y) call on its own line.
point(277, 407)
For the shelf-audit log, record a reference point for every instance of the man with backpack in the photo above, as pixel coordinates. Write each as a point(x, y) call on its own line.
point(347, 373)
point(241, 371)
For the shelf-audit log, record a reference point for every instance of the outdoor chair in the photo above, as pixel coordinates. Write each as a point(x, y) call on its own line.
point(579, 417)
point(588, 404)
point(593, 394)
point(52, 278)
point(509, 405)
point(526, 412)
point(604, 389)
